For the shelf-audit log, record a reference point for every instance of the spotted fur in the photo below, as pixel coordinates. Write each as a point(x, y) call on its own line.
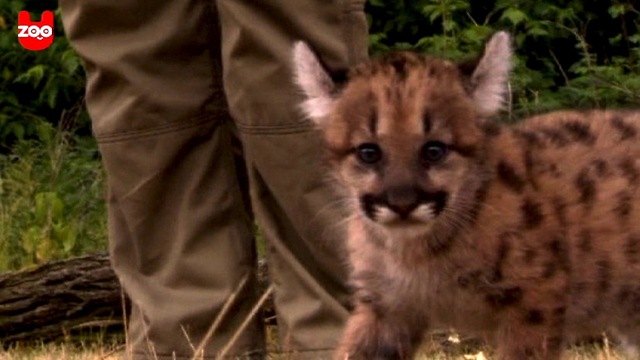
point(527, 235)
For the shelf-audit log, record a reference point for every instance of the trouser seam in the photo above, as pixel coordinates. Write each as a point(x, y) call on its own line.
point(297, 128)
point(159, 130)
point(350, 7)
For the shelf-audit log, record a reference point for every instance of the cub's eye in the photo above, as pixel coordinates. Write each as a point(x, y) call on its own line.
point(369, 153)
point(433, 152)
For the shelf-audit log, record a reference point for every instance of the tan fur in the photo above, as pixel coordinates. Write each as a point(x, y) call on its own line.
point(526, 235)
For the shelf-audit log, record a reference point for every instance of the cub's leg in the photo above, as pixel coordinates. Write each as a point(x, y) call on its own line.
point(531, 333)
point(370, 335)
point(629, 337)
point(629, 348)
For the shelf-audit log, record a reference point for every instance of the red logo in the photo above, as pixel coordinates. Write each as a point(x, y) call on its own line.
point(35, 35)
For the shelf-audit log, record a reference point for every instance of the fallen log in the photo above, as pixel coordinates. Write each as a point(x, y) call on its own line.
point(60, 298)
point(51, 300)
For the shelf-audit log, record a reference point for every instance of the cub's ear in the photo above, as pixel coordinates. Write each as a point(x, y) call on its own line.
point(314, 81)
point(489, 79)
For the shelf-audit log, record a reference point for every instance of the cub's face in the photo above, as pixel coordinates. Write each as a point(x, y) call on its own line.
point(403, 135)
point(402, 138)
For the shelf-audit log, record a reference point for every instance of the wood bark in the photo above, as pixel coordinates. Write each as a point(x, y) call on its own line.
point(51, 300)
point(61, 298)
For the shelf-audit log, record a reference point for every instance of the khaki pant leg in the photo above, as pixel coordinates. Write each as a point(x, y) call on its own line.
point(180, 236)
point(293, 202)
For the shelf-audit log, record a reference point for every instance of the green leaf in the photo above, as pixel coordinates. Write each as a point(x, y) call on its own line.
point(45, 250)
point(52, 95)
point(537, 31)
point(48, 207)
point(45, 132)
point(432, 12)
point(476, 35)
point(514, 16)
point(33, 76)
point(17, 129)
point(617, 10)
point(67, 235)
point(70, 61)
point(30, 238)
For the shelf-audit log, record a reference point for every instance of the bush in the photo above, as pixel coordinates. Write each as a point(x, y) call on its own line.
point(35, 86)
point(51, 182)
point(570, 53)
point(51, 199)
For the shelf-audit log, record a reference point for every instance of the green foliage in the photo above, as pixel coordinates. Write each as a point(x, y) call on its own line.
point(35, 86)
point(570, 53)
point(51, 182)
point(51, 207)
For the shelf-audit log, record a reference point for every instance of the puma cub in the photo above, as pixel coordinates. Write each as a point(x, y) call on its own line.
point(526, 235)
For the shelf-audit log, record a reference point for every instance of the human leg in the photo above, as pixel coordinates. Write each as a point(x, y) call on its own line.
point(293, 201)
point(180, 237)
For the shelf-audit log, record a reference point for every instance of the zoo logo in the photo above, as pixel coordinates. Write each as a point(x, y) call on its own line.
point(35, 35)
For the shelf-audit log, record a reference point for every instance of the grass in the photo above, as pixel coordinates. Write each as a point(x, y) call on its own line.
point(100, 347)
point(437, 346)
point(51, 199)
point(62, 352)
point(51, 191)
point(111, 349)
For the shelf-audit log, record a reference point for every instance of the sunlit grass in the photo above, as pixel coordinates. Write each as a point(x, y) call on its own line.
point(112, 348)
point(90, 350)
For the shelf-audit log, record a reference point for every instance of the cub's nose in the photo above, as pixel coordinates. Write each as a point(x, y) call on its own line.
point(403, 200)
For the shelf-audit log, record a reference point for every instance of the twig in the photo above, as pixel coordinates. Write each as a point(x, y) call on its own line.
point(555, 59)
point(127, 343)
point(246, 321)
point(218, 319)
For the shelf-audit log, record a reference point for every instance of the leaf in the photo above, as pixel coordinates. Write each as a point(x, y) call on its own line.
point(448, 25)
point(32, 76)
point(514, 16)
point(48, 206)
point(67, 235)
point(537, 31)
point(44, 131)
point(432, 11)
point(617, 10)
point(70, 61)
point(30, 238)
point(45, 250)
point(52, 94)
point(17, 129)
point(476, 35)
